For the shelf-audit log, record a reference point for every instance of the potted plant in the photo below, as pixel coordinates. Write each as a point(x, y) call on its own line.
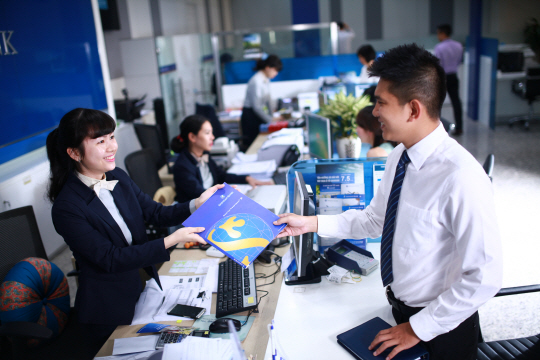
point(342, 111)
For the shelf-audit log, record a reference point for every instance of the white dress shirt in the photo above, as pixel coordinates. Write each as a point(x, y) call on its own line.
point(258, 96)
point(446, 253)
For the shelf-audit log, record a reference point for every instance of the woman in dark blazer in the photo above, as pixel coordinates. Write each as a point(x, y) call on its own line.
point(101, 214)
point(194, 171)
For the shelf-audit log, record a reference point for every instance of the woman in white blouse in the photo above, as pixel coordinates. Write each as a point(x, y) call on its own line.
point(257, 109)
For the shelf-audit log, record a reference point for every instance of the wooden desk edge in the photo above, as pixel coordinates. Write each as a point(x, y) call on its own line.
point(257, 338)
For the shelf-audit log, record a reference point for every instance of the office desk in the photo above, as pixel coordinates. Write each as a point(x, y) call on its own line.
point(309, 317)
point(257, 338)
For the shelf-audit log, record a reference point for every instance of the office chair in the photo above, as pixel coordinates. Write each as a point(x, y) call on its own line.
point(522, 348)
point(528, 89)
point(209, 112)
point(488, 166)
point(448, 126)
point(230, 130)
point(150, 138)
point(20, 239)
point(19, 224)
point(141, 168)
point(161, 122)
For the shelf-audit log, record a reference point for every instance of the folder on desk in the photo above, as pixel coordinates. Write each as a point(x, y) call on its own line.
point(357, 340)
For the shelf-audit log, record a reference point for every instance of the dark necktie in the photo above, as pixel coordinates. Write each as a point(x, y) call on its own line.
point(390, 220)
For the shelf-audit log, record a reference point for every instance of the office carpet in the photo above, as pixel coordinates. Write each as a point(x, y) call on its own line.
point(516, 183)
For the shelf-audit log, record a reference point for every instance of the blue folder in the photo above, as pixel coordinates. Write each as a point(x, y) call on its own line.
point(357, 340)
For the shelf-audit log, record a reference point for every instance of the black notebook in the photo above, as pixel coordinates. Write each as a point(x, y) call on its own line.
point(356, 341)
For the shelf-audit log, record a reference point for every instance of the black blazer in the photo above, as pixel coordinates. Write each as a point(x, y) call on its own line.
point(109, 281)
point(188, 180)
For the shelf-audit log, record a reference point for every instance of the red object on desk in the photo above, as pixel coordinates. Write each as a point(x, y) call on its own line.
point(276, 126)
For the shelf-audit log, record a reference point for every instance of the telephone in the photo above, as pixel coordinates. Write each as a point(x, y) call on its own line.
point(221, 145)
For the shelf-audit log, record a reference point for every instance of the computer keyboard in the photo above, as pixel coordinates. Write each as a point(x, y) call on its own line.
point(237, 290)
point(280, 178)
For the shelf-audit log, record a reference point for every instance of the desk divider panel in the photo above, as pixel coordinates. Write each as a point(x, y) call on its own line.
point(308, 170)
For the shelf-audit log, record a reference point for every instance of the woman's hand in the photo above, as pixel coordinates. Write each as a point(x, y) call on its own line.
point(296, 224)
point(184, 235)
point(206, 195)
point(254, 182)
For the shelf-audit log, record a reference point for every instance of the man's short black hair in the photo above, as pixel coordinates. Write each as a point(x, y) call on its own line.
point(413, 73)
point(445, 29)
point(367, 52)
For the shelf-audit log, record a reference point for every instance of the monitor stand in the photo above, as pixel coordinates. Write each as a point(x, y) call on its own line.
point(309, 278)
point(318, 267)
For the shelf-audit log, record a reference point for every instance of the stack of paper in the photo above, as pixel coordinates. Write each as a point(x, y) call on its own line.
point(256, 169)
point(197, 348)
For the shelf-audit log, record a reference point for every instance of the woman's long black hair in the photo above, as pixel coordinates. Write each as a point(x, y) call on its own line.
point(74, 127)
point(191, 124)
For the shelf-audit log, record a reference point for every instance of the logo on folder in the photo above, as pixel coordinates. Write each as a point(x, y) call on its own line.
point(242, 235)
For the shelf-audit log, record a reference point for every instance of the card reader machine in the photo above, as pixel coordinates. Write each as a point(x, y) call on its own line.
point(351, 257)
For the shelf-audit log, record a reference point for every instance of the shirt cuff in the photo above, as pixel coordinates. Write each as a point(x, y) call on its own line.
point(424, 326)
point(326, 225)
point(192, 207)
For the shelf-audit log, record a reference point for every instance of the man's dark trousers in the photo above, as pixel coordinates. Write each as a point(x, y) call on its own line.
point(452, 85)
point(460, 343)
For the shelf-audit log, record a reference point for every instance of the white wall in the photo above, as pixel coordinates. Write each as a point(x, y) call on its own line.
point(354, 15)
point(405, 19)
point(253, 14)
point(180, 17)
point(140, 18)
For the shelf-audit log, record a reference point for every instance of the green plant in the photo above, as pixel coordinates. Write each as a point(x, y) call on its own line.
point(342, 113)
point(532, 36)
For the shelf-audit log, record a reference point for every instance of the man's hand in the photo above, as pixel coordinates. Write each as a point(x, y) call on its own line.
point(401, 336)
point(296, 224)
point(206, 195)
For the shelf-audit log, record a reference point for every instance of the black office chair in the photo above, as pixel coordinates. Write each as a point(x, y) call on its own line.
point(141, 168)
point(448, 126)
point(20, 239)
point(522, 348)
point(19, 224)
point(227, 129)
point(161, 122)
point(150, 138)
point(209, 112)
point(528, 89)
point(488, 166)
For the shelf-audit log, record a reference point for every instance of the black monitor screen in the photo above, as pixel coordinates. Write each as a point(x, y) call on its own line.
point(319, 136)
point(510, 61)
point(303, 244)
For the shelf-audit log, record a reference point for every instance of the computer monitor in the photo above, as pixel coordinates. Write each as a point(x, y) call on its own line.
point(319, 136)
point(308, 101)
point(301, 269)
point(330, 91)
point(510, 61)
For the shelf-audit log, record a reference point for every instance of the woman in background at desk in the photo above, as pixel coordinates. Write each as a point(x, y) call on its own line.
point(257, 109)
point(194, 171)
point(100, 212)
point(369, 131)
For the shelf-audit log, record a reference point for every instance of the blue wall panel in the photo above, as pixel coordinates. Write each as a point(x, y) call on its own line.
point(56, 68)
point(239, 72)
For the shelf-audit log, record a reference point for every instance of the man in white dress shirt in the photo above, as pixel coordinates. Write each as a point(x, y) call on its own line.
point(446, 257)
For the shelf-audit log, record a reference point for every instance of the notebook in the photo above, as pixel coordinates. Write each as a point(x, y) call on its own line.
point(356, 341)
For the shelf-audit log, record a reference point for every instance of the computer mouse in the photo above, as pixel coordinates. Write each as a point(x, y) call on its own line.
point(221, 326)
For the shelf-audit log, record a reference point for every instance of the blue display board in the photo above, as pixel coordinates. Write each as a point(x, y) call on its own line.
point(49, 65)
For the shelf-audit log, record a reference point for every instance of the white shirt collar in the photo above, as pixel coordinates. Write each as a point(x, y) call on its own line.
point(96, 184)
point(419, 152)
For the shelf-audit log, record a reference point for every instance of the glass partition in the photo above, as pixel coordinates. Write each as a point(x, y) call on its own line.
point(186, 75)
point(236, 52)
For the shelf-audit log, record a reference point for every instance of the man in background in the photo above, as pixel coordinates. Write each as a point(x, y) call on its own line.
point(450, 53)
